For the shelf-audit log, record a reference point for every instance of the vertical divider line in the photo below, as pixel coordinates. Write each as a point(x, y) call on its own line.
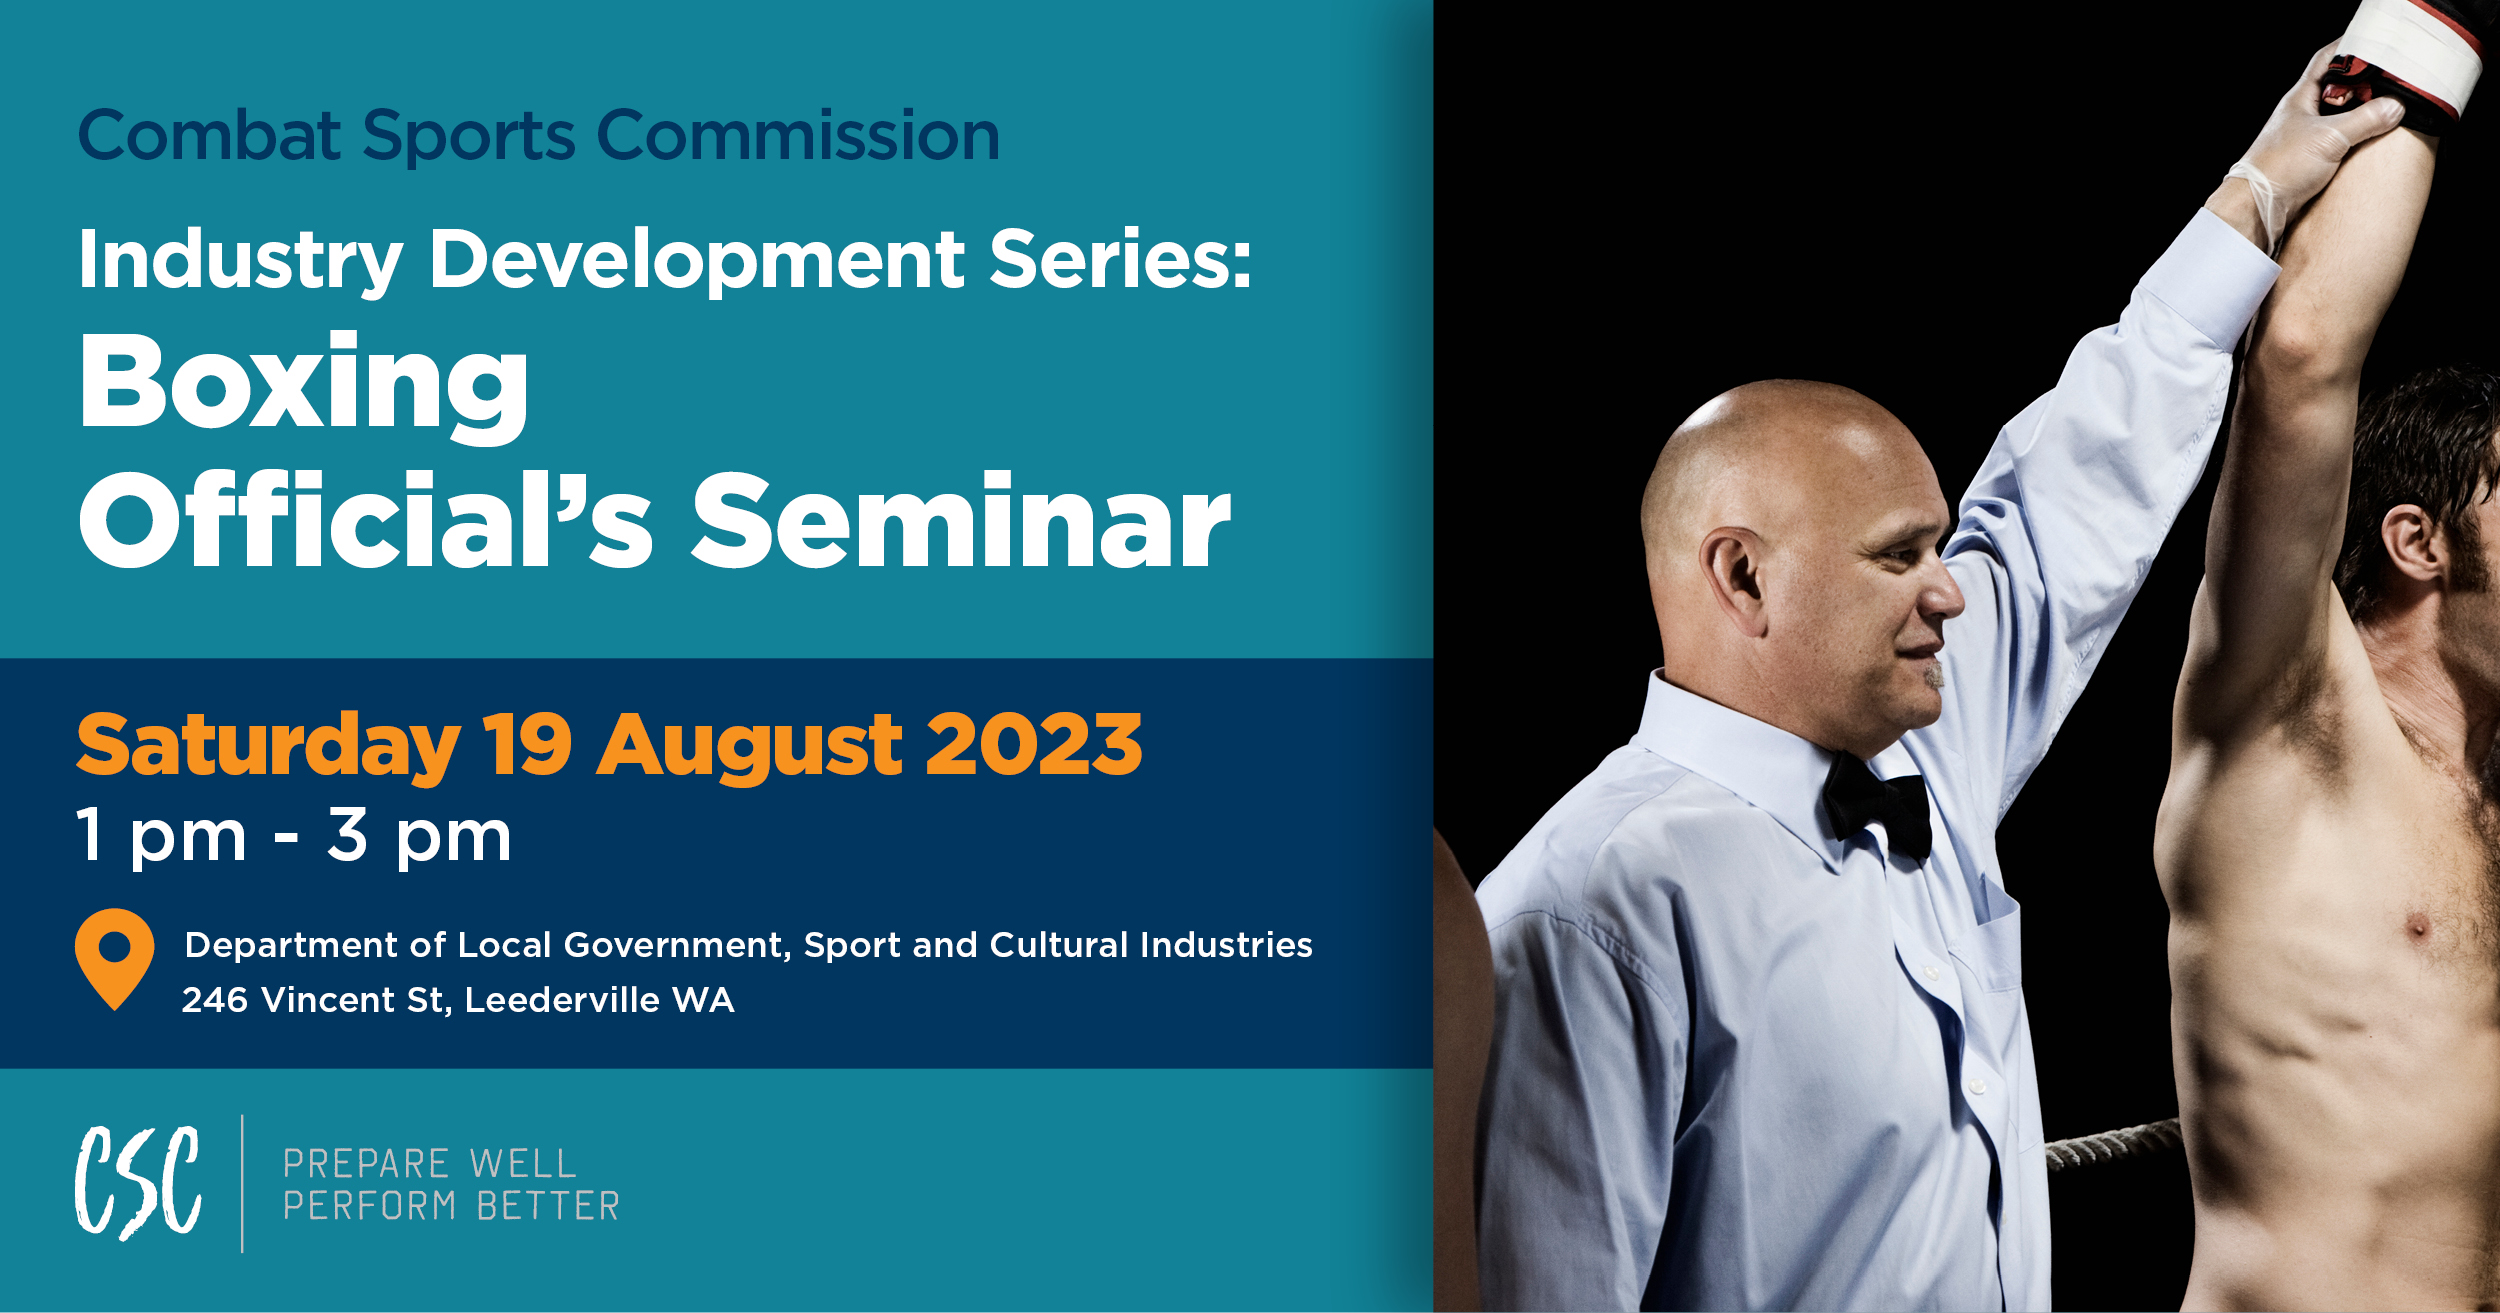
point(238, 1183)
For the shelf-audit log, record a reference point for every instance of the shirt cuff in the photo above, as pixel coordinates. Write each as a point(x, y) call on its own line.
point(2212, 277)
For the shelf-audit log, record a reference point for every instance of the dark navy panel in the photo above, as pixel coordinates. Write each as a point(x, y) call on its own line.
point(1283, 797)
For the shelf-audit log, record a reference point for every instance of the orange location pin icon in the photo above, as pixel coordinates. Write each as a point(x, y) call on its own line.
point(115, 980)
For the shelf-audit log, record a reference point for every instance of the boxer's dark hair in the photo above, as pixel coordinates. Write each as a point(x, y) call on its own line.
point(2425, 442)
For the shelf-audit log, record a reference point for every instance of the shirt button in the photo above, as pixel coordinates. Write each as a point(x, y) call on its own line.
point(1932, 974)
point(1978, 1086)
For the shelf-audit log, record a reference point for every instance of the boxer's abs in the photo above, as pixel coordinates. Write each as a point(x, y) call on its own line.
point(2336, 1029)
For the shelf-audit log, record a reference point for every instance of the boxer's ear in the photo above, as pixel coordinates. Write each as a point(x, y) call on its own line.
point(2415, 547)
point(1731, 560)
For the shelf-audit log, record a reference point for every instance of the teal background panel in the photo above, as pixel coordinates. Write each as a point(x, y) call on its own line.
point(1302, 129)
point(741, 1189)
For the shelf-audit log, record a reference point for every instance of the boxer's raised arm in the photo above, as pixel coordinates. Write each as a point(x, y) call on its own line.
point(2270, 550)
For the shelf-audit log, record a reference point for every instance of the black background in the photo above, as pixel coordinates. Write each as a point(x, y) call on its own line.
point(1929, 205)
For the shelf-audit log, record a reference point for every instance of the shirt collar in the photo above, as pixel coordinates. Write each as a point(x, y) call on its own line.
point(1767, 766)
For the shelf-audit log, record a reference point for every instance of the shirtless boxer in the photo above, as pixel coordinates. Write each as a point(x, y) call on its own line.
point(2330, 836)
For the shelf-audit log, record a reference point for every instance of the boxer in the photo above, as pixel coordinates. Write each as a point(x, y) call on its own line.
point(2329, 838)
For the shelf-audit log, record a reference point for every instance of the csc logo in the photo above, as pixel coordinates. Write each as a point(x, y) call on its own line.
point(147, 1188)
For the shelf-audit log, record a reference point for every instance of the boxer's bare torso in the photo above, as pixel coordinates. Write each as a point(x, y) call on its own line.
point(2327, 842)
point(2335, 1002)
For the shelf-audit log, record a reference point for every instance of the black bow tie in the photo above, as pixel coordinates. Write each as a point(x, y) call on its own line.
point(1852, 797)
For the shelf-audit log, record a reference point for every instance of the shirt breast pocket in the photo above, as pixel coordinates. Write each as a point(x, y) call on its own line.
point(1994, 952)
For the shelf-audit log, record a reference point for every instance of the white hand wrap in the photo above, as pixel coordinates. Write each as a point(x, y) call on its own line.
point(2419, 46)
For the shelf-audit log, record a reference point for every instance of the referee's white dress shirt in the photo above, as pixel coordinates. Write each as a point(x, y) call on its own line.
point(1742, 1061)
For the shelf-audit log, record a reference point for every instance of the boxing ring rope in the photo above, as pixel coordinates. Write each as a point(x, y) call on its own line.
point(2109, 1146)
